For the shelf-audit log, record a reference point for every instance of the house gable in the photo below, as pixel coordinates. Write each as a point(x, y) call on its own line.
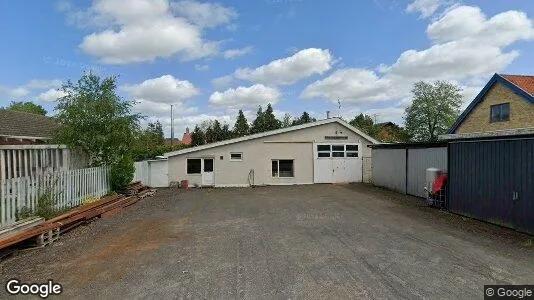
point(476, 117)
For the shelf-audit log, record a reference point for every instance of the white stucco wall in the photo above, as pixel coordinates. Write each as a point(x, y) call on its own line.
point(258, 153)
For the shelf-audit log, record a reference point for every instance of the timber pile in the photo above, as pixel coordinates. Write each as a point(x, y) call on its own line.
point(50, 229)
point(135, 188)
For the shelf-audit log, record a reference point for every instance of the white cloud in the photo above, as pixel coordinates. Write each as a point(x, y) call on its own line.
point(204, 14)
point(425, 7)
point(222, 82)
point(469, 44)
point(30, 87)
point(51, 95)
point(202, 68)
point(164, 89)
point(289, 70)
point(469, 25)
point(240, 97)
point(159, 109)
point(352, 85)
point(233, 53)
point(467, 47)
point(145, 30)
point(17, 92)
point(43, 84)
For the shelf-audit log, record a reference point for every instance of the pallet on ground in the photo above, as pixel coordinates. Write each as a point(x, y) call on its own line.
point(49, 231)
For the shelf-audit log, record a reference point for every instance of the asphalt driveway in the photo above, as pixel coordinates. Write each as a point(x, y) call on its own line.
point(314, 241)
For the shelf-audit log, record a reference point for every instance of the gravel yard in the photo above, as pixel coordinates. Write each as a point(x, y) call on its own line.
point(313, 241)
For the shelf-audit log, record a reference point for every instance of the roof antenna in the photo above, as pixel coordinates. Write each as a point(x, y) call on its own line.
point(339, 108)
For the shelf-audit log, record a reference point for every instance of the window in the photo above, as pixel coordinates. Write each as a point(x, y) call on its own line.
point(500, 112)
point(352, 150)
point(236, 156)
point(338, 150)
point(323, 150)
point(193, 166)
point(282, 168)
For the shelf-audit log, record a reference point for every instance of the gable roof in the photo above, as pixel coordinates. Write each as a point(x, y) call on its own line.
point(26, 125)
point(521, 85)
point(272, 132)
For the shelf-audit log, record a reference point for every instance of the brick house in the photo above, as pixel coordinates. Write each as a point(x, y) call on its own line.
point(186, 139)
point(505, 104)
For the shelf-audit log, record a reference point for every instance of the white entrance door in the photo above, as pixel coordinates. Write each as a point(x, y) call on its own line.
point(207, 171)
point(337, 163)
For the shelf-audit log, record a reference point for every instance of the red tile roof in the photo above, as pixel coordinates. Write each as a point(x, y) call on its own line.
point(186, 139)
point(526, 83)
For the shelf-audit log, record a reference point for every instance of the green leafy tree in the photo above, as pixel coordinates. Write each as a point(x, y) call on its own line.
point(122, 173)
point(270, 122)
point(209, 133)
point(303, 119)
point(226, 132)
point(365, 123)
point(434, 109)
point(28, 107)
point(258, 125)
point(287, 121)
point(96, 120)
point(197, 137)
point(241, 127)
point(218, 134)
point(390, 133)
point(149, 142)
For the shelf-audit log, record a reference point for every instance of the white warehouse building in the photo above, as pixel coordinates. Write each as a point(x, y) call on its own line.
point(326, 151)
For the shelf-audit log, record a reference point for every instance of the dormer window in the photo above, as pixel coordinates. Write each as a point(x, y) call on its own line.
point(500, 112)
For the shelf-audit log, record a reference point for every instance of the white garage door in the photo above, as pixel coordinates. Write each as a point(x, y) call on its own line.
point(337, 162)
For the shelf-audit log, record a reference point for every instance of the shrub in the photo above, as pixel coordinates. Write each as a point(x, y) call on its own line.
point(24, 213)
point(45, 206)
point(122, 173)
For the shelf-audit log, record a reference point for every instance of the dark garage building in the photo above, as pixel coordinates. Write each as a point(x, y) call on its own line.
point(492, 179)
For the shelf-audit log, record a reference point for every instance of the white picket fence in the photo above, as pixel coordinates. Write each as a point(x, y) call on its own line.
point(68, 188)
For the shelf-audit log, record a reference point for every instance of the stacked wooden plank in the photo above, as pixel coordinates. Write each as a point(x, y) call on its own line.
point(80, 215)
point(135, 188)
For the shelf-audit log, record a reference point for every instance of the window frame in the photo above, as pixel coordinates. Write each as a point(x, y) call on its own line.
point(278, 168)
point(500, 114)
point(187, 166)
point(236, 159)
point(336, 153)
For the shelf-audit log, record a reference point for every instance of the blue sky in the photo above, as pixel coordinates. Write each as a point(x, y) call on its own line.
point(211, 58)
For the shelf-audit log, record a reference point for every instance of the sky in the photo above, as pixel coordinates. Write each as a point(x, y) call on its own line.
point(211, 58)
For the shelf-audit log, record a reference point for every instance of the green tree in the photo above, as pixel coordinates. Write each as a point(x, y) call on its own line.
point(149, 142)
point(241, 127)
point(287, 121)
point(218, 134)
point(258, 125)
point(365, 123)
point(270, 122)
point(303, 119)
point(197, 137)
point(209, 133)
point(28, 107)
point(390, 132)
point(226, 132)
point(94, 119)
point(434, 109)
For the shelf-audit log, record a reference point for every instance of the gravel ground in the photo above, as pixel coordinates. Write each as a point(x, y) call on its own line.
point(315, 241)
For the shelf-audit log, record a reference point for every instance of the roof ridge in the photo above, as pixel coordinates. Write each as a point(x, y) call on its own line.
point(24, 112)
